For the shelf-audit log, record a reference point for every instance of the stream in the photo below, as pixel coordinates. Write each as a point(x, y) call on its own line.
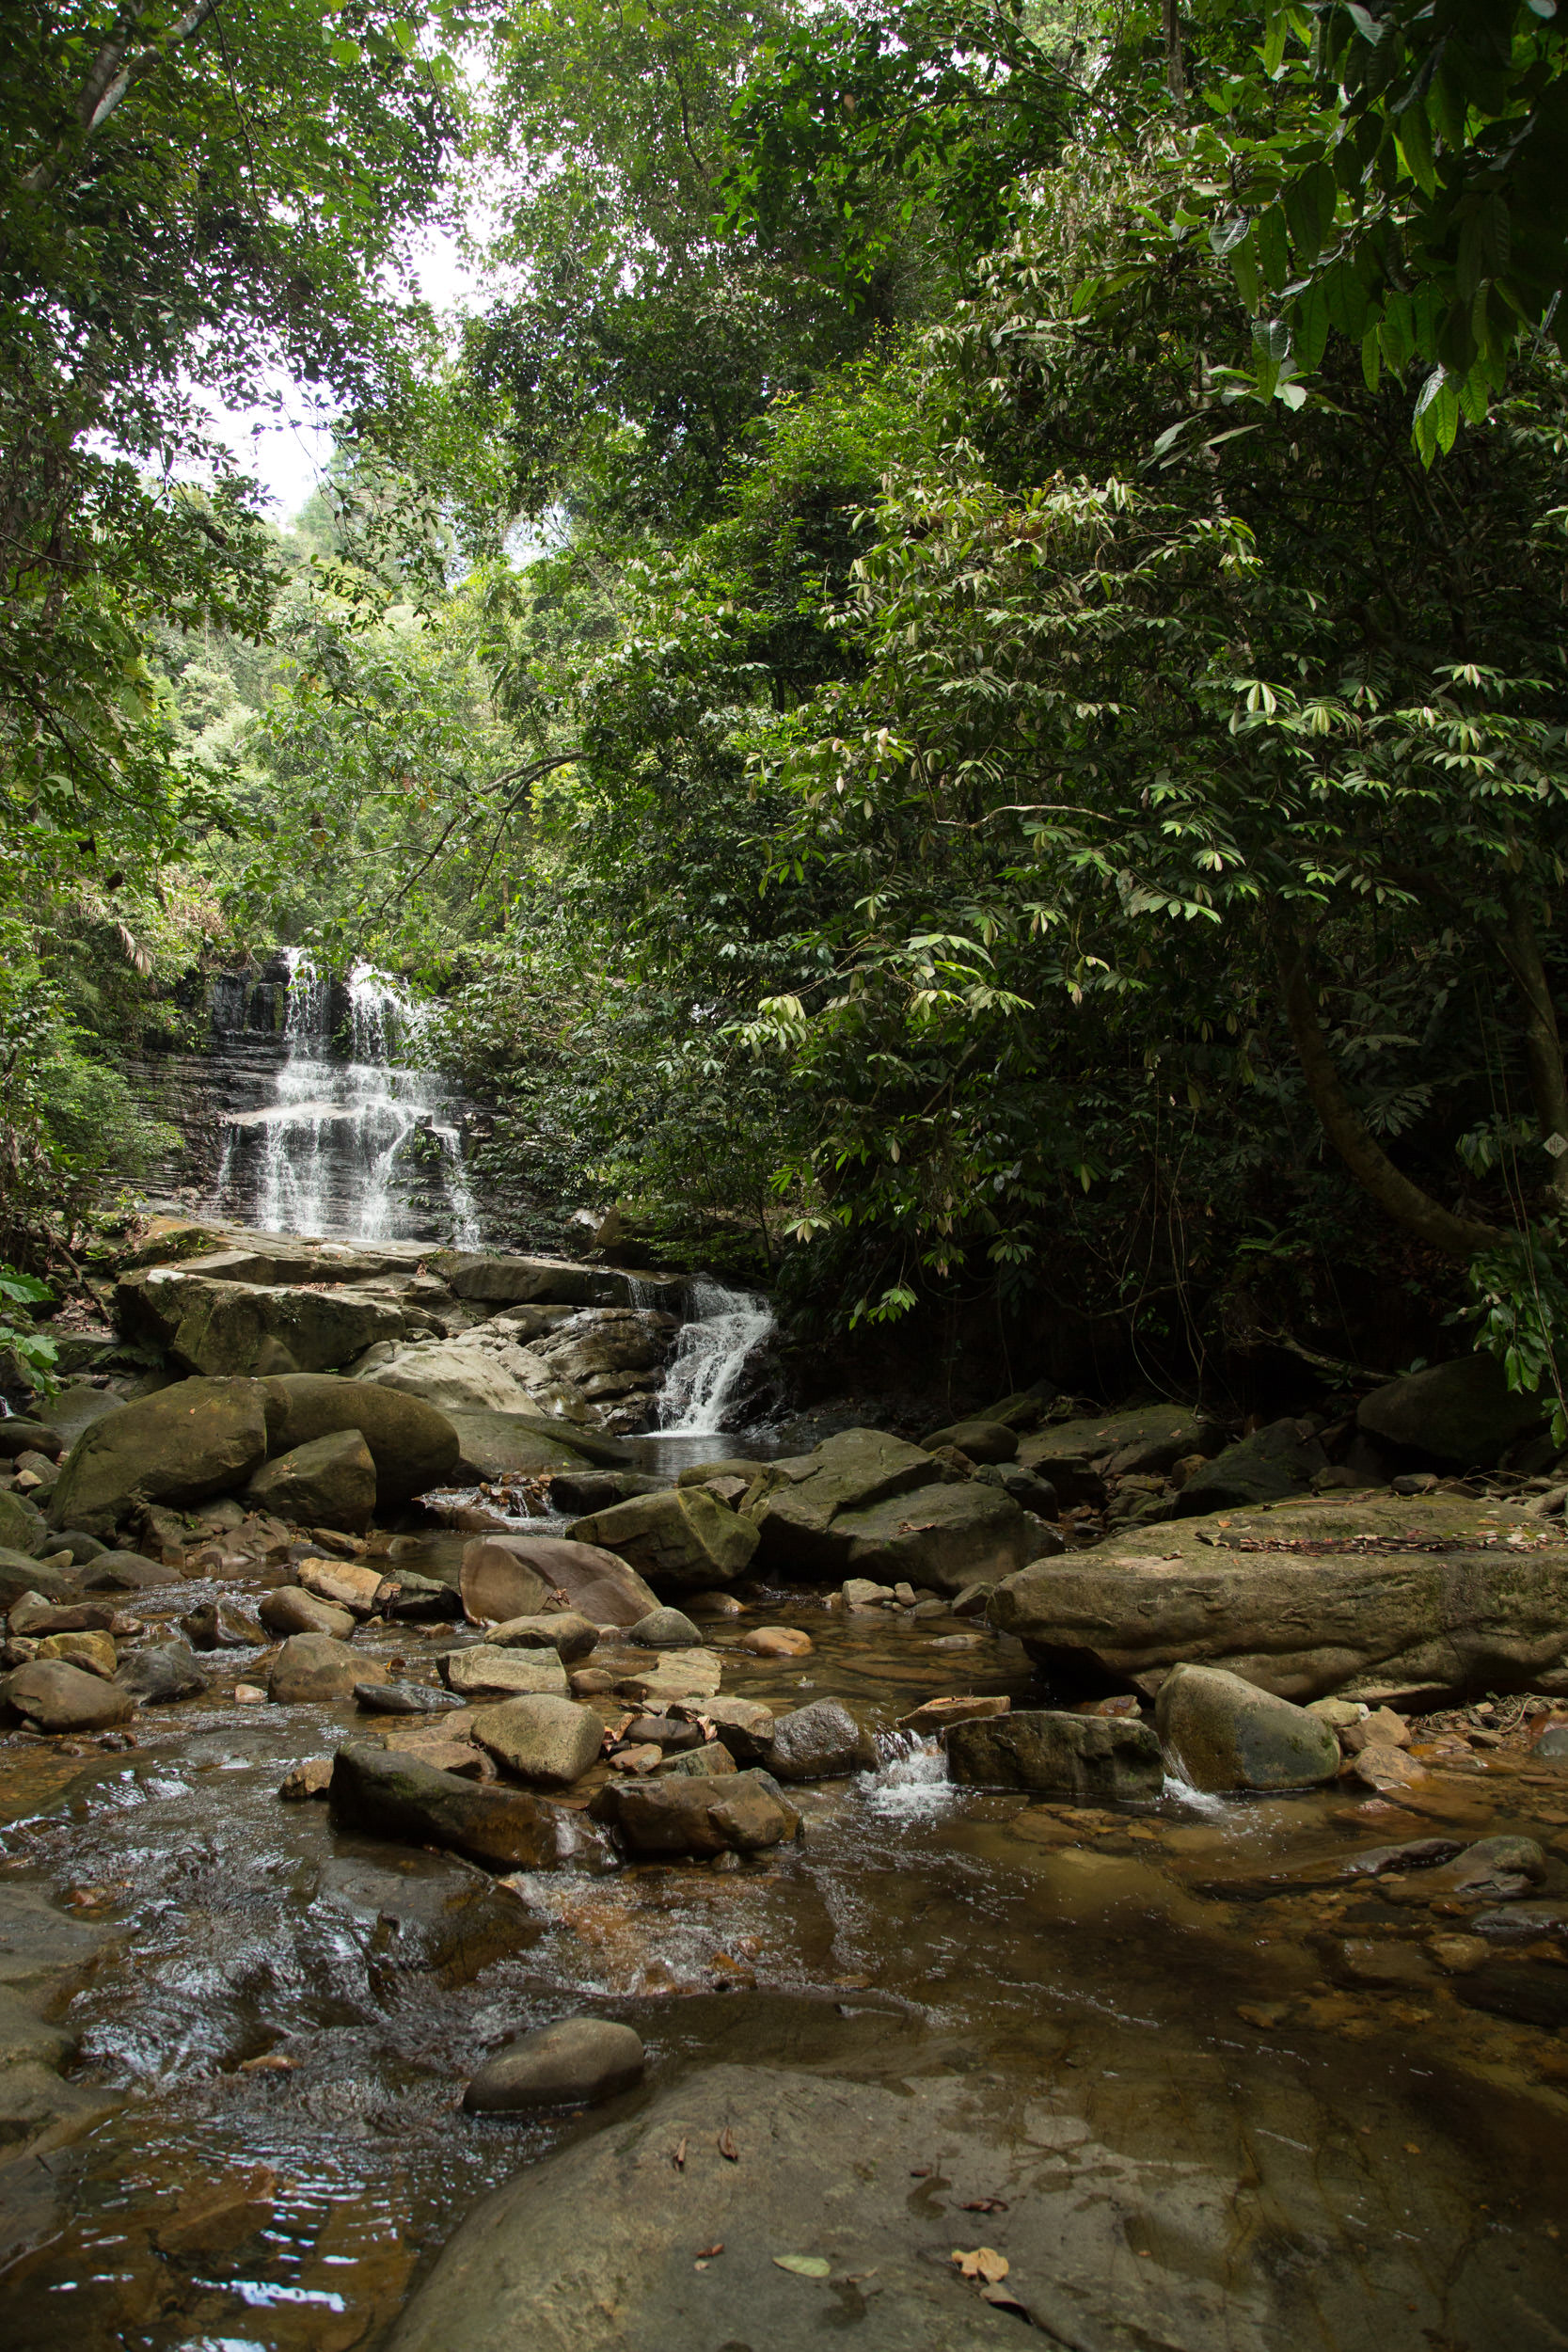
point(1182, 2015)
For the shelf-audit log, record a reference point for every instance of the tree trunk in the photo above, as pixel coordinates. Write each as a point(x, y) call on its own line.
point(1176, 64)
point(1368, 1162)
point(1543, 1042)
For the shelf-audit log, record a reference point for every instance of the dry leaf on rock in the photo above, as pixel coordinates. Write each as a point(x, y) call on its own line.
point(708, 2252)
point(678, 2159)
point(984, 2261)
point(726, 2147)
point(804, 2265)
point(985, 2204)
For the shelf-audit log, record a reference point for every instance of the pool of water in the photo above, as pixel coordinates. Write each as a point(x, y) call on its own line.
point(287, 2015)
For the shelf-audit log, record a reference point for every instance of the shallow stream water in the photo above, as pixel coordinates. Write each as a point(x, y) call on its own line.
point(287, 2016)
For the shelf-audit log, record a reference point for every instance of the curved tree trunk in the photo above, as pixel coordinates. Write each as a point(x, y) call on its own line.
point(1368, 1162)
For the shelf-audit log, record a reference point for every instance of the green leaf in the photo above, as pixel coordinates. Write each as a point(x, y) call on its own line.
point(1273, 246)
point(805, 2265)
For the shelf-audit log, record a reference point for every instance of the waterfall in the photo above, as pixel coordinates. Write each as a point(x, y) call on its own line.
point(342, 1142)
point(710, 1355)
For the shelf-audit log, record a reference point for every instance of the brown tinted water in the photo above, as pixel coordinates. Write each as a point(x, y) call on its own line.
point(1395, 2160)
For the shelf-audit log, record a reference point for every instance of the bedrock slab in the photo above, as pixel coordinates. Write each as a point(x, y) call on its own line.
point(1408, 1598)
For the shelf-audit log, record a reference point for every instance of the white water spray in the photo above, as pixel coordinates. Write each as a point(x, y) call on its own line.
point(710, 1356)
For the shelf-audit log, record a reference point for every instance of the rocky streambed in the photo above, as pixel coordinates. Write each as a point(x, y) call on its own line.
point(1161, 1940)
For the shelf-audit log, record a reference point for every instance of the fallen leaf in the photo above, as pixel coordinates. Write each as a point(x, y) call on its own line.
point(270, 2062)
point(726, 2144)
point(708, 2252)
point(804, 2265)
point(1411, 2149)
point(678, 2159)
point(985, 2204)
point(921, 2172)
point(984, 2261)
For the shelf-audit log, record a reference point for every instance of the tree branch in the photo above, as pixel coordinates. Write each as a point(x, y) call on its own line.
point(1368, 1162)
point(110, 78)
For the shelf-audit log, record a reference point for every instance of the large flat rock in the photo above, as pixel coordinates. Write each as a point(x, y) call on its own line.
point(593, 2250)
point(1404, 1597)
point(518, 1282)
point(217, 1326)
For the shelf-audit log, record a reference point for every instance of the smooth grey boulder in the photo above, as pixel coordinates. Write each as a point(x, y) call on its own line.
point(316, 1667)
point(517, 1576)
point(405, 1698)
point(491, 1443)
point(739, 1813)
point(1463, 1414)
point(54, 1695)
point(1303, 1600)
point(541, 1737)
point(414, 1446)
point(193, 1439)
point(982, 1441)
point(1282, 1459)
point(823, 1741)
point(1220, 1732)
point(218, 1328)
point(682, 1538)
point(1091, 1758)
point(575, 2062)
point(517, 1282)
point(852, 1471)
point(127, 1572)
point(945, 1538)
point(21, 1573)
point(328, 1482)
point(664, 1629)
point(392, 1795)
point(18, 1435)
point(159, 1673)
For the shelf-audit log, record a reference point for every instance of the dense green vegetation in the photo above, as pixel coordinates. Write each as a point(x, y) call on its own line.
point(1030, 769)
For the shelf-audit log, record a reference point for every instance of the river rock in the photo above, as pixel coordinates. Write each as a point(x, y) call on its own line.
point(1490, 1870)
point(316, 1667)
point(741, 1814)
point(671, 1674)
point(454, 1377)
point(81, 1546)
point(682, 1537)
point(1220, 1732)
point(405, 1698)
point(745, 1726)
point(483, 1670)
point(54, 1697)
point(160, 1672)
point(852, 1471)
point(584, 1491)
point(95, 1653)
point(519, 1282)
point(712, 1757)
point(127, 1572)
point(291, 1609)
point(417, 1599)
point(945, 1539)
point(342, 1584)
point(329, 1481)
point(23, 1525)
point(664, 1629)
point(18, 1436)
point(1281, 1459)
point(34, 1616)
point(776, 1641)
point(982, 1441)
point(223, 1625)
point(195, 1438)
point(823, 1741)
point(961, 1707)
point(392, 1795)
point(575, 2062)
point(548, 1740)
point(566, 1632)
point(20, 1573)
point(412, 1445)
point(493, 1443)
point(1090, 1758)
point(1306, 1611)
point(1463, 1414)
point(216, 1328)
point(514, 1576)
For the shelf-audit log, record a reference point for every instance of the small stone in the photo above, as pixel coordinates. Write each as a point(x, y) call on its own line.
point(1338, 1713)
point(314, 1666)
point(405, 1698)
point(712, 1757)
point(973, 1600)
point(310, 1779)
point(823, 1741)
point(1383, 1766)
point(593, 1682)
point(1381, 1728)
point(341, 1584)
point(861, 1592)
point(571, 1635)
point(249, 1695)
point(483, 1671)
point(291, 1609)
point(575, 2062)
point(221, 1626)
point(549, 1740)
point(664, 1629)
point(776, 1641)
point(94, 1652)
point(717, 1604)
point(904, 1595)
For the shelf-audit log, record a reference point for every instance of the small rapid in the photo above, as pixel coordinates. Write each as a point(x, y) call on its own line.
point(703, 1382)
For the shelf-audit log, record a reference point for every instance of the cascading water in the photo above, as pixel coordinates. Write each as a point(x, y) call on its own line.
point(331, 1153)
point(710, 1356)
